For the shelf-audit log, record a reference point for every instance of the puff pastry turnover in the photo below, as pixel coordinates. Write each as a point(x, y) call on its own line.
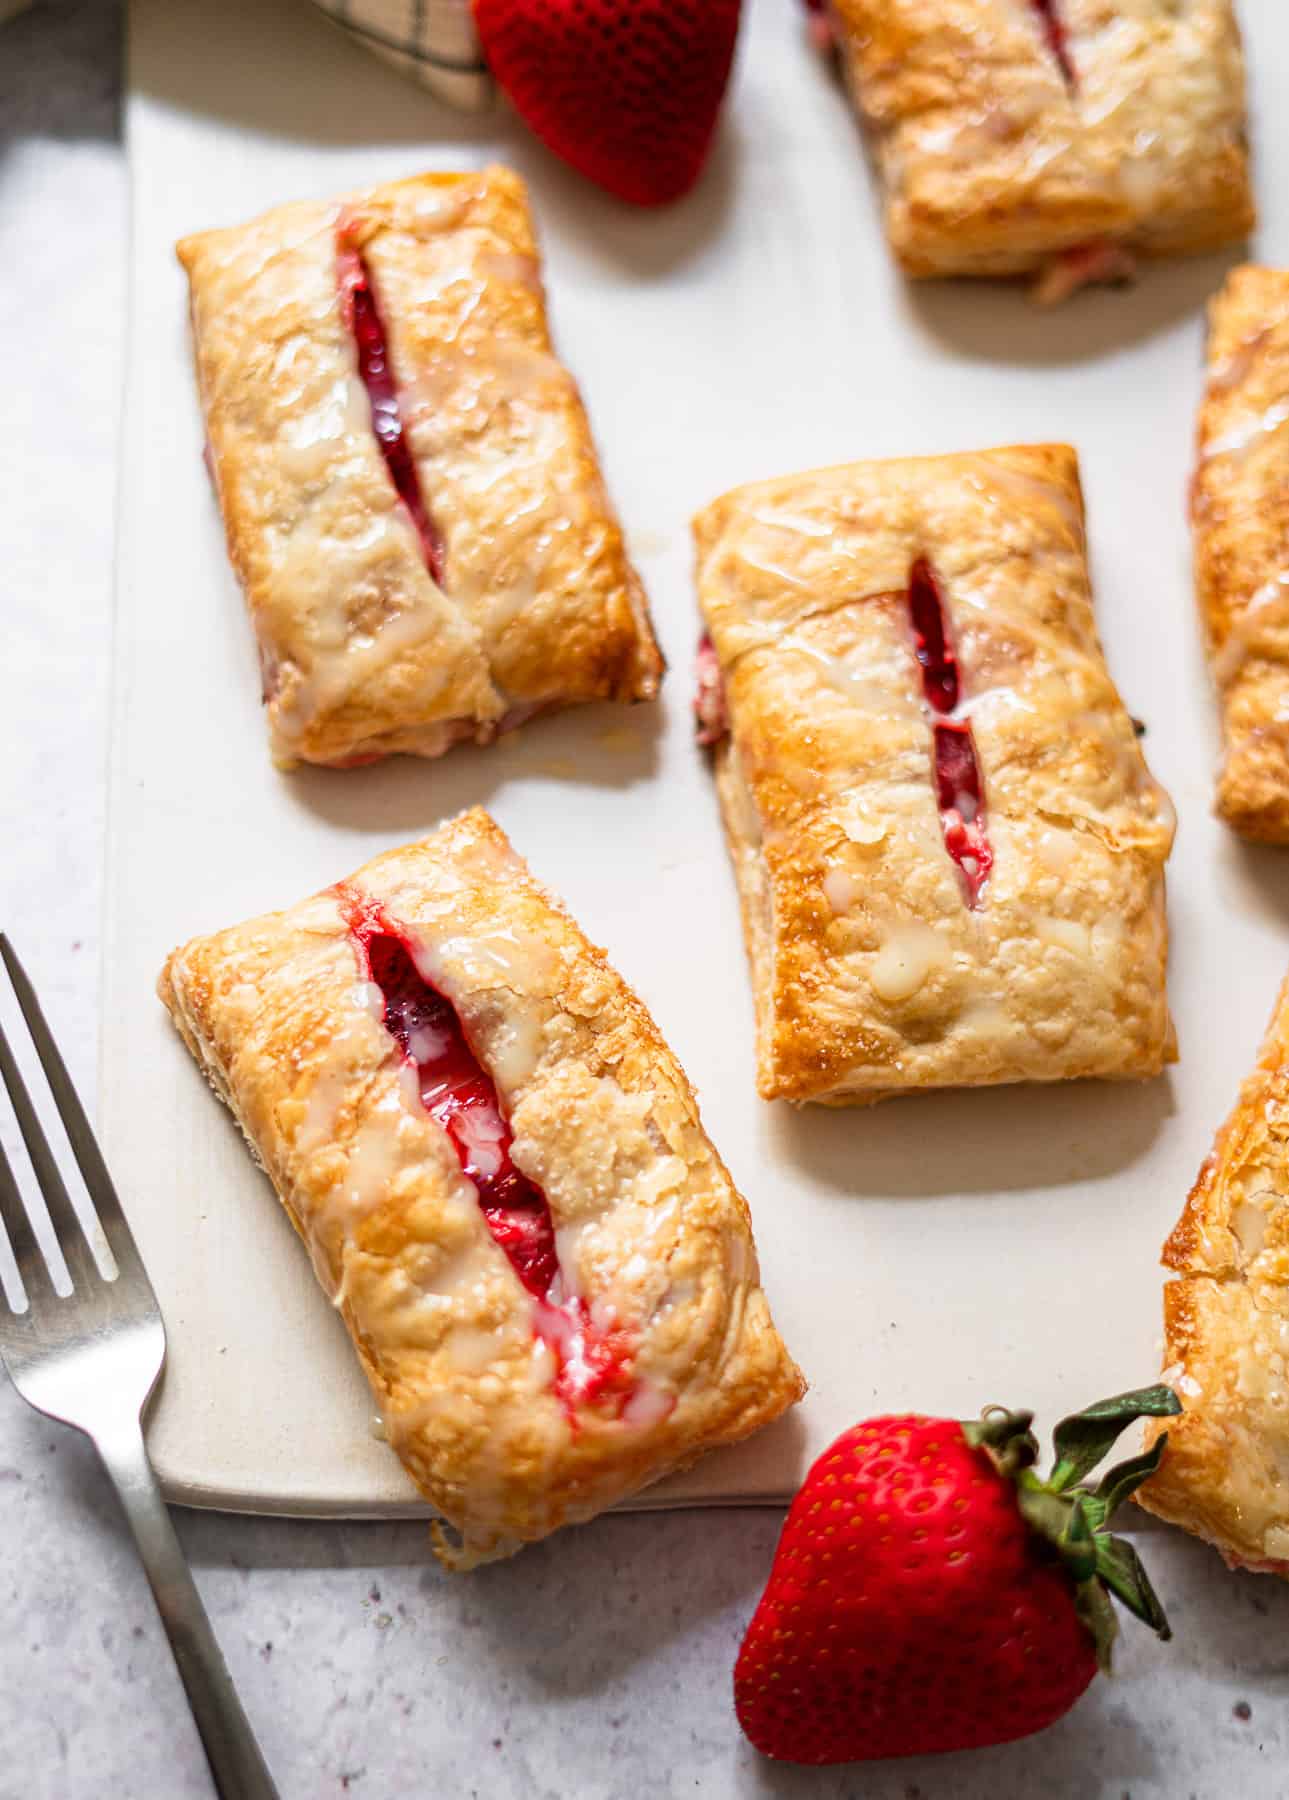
point(410, 491)
point(948, 847)
point(1066, 135)
point(500, 1173)
point(1225, 1473)
point(1240, 510)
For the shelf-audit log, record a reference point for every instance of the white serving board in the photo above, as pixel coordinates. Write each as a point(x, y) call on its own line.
point(938, 1252)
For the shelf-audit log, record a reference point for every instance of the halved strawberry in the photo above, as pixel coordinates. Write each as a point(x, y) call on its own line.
point(628, 95)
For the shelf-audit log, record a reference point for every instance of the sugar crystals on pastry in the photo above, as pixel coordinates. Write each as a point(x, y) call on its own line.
point(949, 850)
point(410, 491)
point(500, 1173)
point(1057, 137)
point(1225, 1473)
point(1240, 515)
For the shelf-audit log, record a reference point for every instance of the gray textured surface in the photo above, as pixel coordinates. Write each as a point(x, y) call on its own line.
point(597, 1665)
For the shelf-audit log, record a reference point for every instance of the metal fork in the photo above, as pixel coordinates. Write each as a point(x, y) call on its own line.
point(91, 1359)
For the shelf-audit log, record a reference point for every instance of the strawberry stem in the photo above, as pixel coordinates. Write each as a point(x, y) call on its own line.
point(1084, 1438)
point(1071, 1516)
point(1007, 1437)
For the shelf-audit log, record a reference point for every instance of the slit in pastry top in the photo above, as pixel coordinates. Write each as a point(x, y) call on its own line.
point(958, 785)
point(1056, 35)
point(593, 1357)
point(362, 316)
point(955, 773)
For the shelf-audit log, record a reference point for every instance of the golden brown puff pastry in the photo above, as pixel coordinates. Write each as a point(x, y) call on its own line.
point(502, 1178)
point(949, 850)
point(409, 486)
point(1225, 1473)
point(1240, 511)
point(1062, 135)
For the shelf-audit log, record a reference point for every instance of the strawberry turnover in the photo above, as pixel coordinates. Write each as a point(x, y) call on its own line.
point(409, 486)
point(910, 720)
point(1048, 140)
point(499, 1171)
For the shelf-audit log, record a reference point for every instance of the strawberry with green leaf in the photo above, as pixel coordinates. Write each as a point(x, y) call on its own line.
point(932, 1592)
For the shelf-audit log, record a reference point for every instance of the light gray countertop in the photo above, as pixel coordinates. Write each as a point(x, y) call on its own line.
point(595, 1665)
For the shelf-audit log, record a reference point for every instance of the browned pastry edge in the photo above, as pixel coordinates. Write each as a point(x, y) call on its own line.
point(1225, 1472)
point(1240, 517)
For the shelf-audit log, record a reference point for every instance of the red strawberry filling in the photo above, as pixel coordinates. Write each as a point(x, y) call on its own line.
point(1084, 265)
point(362, 320)
point(930, 636)
point(959, 789)
point(710, 712)
point(1057, 36)
point(593, 1360)
point(455, 1091)
point(957, 780)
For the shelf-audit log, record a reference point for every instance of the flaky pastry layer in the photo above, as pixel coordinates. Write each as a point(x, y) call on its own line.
point(364, 652)
point(654, 1241)
point(1225, 1473)
point(998, 150)
point(1240, 514)
point(872, 973)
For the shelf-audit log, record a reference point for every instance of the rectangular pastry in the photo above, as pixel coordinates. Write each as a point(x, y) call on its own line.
point(1066, 136)
point(949, 850)
point(1240, 514)
point(501, 1176)
point(410, 491)
point(1225, 1473)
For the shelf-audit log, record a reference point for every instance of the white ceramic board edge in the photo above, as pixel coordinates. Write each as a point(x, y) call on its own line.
point(937, 1252)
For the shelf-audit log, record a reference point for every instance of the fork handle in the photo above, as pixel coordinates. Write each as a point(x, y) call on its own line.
point(238, 1768)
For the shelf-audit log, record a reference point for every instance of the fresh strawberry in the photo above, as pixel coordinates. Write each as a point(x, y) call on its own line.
point(628, 94)
point(931, 1593)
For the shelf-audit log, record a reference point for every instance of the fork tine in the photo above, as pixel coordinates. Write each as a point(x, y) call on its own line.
point(37, 1281)
point(62, 1215)
point(80, 1135)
